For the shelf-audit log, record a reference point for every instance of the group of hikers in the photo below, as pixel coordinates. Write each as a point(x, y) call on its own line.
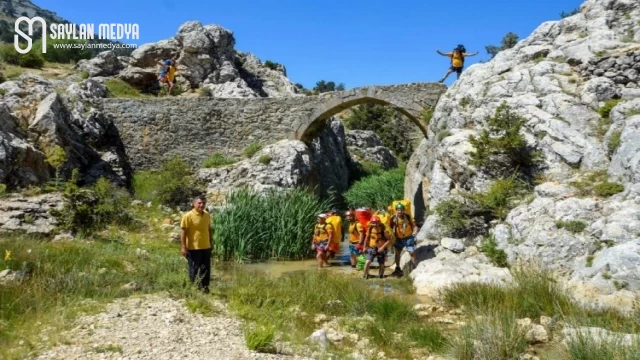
point(370, 235)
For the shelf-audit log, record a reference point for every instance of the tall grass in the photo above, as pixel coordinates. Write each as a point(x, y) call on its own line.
point(70, 278)
point(535, 292)
point(496, 335)
point(585, 347)
point(278, 224)
point(278, 302)
point(377, 191)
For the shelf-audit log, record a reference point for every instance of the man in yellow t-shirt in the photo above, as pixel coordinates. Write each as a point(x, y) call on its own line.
point(323, 234)
point(196, 240)
point(457, 60)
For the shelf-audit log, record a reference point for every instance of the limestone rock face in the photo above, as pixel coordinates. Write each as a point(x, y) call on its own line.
point(205, 58)
point(559, 79)
point(365, 145)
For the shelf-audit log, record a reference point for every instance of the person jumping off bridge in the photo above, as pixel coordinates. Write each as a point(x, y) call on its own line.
point(457, 60)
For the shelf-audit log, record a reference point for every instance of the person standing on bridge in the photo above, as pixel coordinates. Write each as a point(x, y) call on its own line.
point(457, 60)
point(196, 238)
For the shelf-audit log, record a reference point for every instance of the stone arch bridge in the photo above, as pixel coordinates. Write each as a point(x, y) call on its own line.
point(193, 128)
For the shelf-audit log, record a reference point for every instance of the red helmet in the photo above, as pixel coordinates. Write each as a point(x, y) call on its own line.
point(375, 219)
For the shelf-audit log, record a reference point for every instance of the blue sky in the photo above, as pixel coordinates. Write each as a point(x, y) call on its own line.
point(357, 42)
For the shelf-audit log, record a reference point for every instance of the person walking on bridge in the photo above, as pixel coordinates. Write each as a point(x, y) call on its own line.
point(457, 60)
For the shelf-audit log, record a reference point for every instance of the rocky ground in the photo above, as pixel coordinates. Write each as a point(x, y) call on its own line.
point(156, 327)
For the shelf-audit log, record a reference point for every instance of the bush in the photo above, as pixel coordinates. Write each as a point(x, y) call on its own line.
point(607, 189)
point(394, 130)
point(264, 159)
point(216, 160)
point(376, 191)
point(174, 185)
point(271, 65)
point(573, 226)
point(61, 54)
point(31, 59)
point(502, 150)
point(274, 225)
point(250, 150)
point(260, 339)
point(490, 248)
point(9, 54)
point(93, 208)
point(605, 110)
point(205, 92)
point(3, 190)
point(119, 88)
point(467, 215)
point(614, 141)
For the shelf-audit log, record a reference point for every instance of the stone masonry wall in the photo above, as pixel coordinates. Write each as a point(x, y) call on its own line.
point(193, 128)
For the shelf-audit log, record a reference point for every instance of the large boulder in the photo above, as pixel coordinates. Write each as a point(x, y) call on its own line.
point(29, 214)
point(365, 145)
point(282, 165)
point(105, 63)
point(21, 164)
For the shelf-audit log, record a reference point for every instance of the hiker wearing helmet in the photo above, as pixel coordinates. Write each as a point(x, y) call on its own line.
point(336, 221)
point(404, 228)
point(356, 237)
point(375, 245)
point(457, 60)
point(322, 236)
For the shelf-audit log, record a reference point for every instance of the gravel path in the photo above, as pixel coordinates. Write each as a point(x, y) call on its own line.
point(155, 327)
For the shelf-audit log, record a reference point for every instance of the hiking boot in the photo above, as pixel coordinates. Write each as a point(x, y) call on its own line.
point(397, 272)
point(382, 276)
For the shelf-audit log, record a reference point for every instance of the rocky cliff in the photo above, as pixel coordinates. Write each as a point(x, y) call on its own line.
point(205, 58)
point(576, 83)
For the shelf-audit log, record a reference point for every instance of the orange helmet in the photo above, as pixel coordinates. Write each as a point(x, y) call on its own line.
point(375, 219)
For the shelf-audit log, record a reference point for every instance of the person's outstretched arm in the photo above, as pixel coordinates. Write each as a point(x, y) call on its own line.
point(474, 54)
point(441, 53)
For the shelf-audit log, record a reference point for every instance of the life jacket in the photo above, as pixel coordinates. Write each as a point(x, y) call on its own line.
point(320, 232)
point(394, 224)
point(354, 233)
point(375, 236)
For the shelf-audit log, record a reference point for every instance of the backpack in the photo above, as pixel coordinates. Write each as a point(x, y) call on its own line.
point(462, 50)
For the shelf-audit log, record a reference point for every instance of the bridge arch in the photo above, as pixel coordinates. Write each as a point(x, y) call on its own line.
point(410, 100)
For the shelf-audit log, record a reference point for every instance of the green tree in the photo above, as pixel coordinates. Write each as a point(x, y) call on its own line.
point(508, 41)
point(63, 55)
point(571, 13)
point(324, 86)
point(392, 128)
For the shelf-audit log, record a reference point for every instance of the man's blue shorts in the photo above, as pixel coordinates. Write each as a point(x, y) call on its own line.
point(408, 242)
point(353, 250)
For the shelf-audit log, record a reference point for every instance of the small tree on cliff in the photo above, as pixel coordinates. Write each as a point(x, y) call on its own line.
point(508, 41)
